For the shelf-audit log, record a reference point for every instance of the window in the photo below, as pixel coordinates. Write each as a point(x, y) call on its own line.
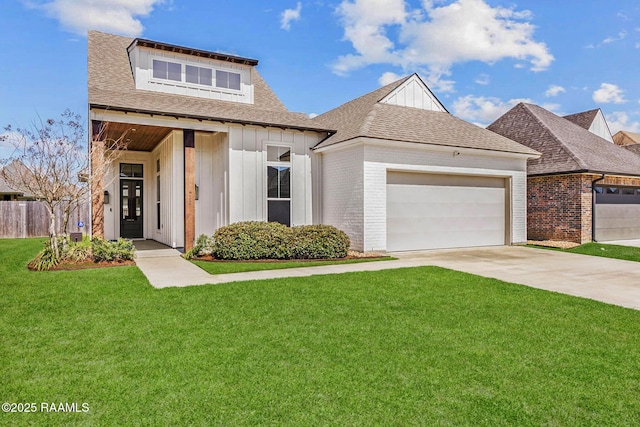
point(198, 75)
point(612, 190)
point(167, 70)
point(279, 184)
point(628, 191)
point(227, 80)
point(128, 170)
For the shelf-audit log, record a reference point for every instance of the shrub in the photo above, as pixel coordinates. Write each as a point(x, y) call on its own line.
point(319, 241)
point(203, 246)
point(252, 240)
point(76, 251)
point(104, 250)
point(45, 260)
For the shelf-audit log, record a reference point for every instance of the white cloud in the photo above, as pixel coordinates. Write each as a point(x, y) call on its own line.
point(609, 93)
point(611, 39)
point(554, 90)
point(485, 110)
point(388, 77)
point(290, 15)
point(620, 121)
point(480, 109)
point(435, 37)
point(115, 16)
point(483, 79)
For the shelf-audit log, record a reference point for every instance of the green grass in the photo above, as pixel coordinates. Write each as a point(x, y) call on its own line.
point(629, 253)
point(222, 267)
point(419, 346)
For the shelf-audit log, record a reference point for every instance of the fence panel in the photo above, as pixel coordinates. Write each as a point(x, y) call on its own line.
point(30, 219)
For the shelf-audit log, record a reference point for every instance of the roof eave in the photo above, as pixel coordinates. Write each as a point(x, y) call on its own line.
point(190, 51)
point(207, 118)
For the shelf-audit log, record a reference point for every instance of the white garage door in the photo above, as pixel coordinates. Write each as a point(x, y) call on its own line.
point(427, 211)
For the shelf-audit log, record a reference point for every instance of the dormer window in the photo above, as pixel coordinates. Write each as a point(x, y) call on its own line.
point(199, 75)
point(227, 80)
point(167, 70)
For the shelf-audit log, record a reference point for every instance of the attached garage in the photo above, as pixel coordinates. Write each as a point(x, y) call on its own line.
point(617, 213)
point(428, 211)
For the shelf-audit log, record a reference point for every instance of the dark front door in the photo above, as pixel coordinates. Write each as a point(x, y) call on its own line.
point(131, 208)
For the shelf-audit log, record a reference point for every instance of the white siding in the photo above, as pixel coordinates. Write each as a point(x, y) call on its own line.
point(141, 62)
point(413, 93)
point(599, 127)
point(343, 192)
point(211, 179)
point(247, 172)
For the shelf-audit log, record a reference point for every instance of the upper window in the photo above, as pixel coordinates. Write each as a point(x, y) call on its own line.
point(227, 80)
point(167, 70)
point(199, 75)
point(128, 170)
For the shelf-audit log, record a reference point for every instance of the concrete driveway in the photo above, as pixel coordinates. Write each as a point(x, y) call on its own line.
point(603, 279)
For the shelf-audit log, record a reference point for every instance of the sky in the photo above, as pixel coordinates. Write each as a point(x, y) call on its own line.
point(479, 57)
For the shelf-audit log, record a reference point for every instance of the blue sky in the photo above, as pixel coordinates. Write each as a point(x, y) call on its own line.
point(480, 57)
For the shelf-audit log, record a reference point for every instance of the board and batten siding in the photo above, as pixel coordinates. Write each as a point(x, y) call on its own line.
point(248, 172)
point(211, 177)
point(170, 152)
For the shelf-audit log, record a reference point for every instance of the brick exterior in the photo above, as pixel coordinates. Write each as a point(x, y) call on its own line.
point(559, 207)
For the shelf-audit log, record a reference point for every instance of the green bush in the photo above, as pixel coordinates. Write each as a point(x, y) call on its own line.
point(319, 241)
point(271, 240)
point(45, 260)
point(104, 250)
point(203, 246)
point(252, 240)
point(76, 251)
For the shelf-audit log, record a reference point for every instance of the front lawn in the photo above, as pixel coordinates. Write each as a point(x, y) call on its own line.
point(222, 267)
point(629, 253)
point(418, 346)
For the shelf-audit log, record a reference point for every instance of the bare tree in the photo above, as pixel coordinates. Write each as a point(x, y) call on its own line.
point(51, 162)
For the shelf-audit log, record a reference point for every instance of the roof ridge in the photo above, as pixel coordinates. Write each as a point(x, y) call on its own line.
point(579, 161)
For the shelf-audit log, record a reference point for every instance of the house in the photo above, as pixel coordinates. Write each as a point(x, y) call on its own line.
point(626, 139)
point(209, 144)
point(8, 192)
point(576, 164)
point(593, 121)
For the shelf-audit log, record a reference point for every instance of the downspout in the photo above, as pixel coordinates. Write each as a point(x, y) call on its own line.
point(593, 207)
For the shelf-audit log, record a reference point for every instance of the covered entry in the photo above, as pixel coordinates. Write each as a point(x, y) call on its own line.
point(429, 211)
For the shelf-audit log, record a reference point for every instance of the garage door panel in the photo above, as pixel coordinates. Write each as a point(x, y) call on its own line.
point(617, 222)
point(427, 216)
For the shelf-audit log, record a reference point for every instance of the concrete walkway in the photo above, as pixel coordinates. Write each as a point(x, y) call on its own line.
point(603, 279)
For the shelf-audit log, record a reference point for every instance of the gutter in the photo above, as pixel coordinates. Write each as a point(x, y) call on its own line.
point(593, 207)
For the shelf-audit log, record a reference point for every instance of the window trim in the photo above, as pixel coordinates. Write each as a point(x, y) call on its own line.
point(266, 164)
point(183, 75)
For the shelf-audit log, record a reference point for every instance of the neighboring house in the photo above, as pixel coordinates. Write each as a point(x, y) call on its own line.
point(626, 139)
point(209, 144)
point(7, 192)
point(575, 164)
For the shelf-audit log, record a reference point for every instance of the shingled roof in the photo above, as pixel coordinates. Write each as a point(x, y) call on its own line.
point(584, 119)
point(626, 138)
point(565, 146)
point(367, 117)
point(112, 86)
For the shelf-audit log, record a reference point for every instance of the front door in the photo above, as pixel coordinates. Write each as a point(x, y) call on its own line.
point(131, 208)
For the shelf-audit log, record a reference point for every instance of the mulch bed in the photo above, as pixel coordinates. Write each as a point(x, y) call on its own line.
point(351, 255)
point(68, 266)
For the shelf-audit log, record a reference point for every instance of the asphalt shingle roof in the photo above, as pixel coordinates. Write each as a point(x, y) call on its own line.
point(584, 119)
point(565, 146)
point(111, 85)
point(366, 117)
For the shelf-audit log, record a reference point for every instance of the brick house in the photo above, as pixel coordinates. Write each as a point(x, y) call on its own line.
point(579, 160)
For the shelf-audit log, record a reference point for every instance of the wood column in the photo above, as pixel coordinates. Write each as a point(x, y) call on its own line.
point(96, 153)
point(189, 189)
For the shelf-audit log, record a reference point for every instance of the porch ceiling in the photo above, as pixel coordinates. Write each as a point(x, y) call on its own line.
point(137, 137)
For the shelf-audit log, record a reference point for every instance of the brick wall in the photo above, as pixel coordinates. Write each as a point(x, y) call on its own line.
point(560, 207)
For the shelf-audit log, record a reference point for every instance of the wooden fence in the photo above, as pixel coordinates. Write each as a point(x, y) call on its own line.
point(31, 219)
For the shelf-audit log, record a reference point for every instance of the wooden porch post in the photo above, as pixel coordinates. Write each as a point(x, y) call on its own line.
point(189, 189)
point(97, 179)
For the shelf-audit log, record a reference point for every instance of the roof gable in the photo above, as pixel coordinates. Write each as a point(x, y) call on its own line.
point(593, 121)
point(412, 92)
point(626, 138)
point(565, 146)
point(373, 116)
